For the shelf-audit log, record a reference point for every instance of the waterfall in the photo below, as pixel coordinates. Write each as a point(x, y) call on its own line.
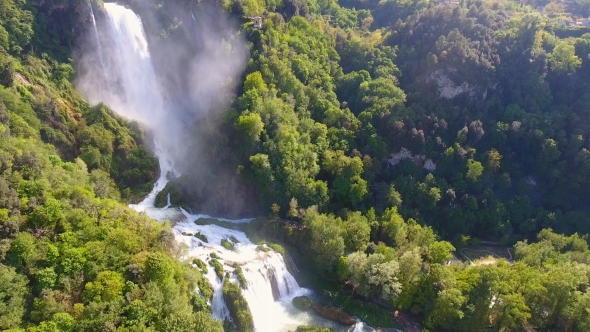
point(99, 46)
point(168, 201)
point(271, 312)
point(142, 98)
point(271, 287)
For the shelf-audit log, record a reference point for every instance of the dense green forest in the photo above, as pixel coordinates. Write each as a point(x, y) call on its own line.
point(73, 257)
point(392, 132)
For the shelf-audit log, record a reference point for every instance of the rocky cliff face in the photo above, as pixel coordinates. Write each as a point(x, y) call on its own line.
point(449, 88)
point(446, 87)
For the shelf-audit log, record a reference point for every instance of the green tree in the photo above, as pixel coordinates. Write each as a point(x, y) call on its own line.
point(107, 286)
point(13, 289)
point(563, 58)
point(394, 198)
point(326, 240)
point(474, 170)
point(160, 268)
point(357, 231)
point(188, 322)
point(48, 215)
point(493, 160)
point(251, 125)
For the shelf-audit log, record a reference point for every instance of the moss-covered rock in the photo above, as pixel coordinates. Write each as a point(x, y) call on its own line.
point(241, 278)
point(335, 314)
point(162, 196)
point(302, 302)
point(238, 307)
point(218, 267)
point(309, 328)
point(201, 265)
point(263, 248)
point(227, 244)
point(201, 237)
point(276, 293)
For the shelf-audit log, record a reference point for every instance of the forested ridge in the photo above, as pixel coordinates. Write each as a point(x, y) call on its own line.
point(392, 133)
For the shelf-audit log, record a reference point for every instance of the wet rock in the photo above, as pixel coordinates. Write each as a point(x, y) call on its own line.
point(335, 314)
point(276, 293)
point(302, 302)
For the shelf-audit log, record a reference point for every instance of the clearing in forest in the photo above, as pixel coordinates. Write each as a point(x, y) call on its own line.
point(486, 254)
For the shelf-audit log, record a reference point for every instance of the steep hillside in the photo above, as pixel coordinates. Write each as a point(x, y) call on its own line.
point(380, 136)
point(73, 257)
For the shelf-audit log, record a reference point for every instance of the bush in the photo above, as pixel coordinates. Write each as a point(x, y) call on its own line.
point(309, 328)
point(227, 245)
point(218, 267)
point(205, 288)
point(238, 307)
point(263, 248)
point(201, 237)
point(241, 278)
point(201, 265)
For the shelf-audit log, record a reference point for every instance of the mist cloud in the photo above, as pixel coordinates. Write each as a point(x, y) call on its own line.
point(194, 67)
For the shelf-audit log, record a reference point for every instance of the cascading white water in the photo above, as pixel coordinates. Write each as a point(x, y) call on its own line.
point(168, 203)
point(140, 97)
point(271, 287)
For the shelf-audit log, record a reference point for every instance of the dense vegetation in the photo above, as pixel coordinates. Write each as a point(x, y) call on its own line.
point(238, 307)
point(73, 257)
point(485, 92)
point(391, 132)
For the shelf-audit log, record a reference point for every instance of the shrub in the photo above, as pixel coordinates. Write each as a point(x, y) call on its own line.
point(201, 265)
point(201, 237)
point(263, 248)
point(241, 278)
point(218, 267)
point(227, 245)
point(309, 328)
point(302, 302)
point(238, 307)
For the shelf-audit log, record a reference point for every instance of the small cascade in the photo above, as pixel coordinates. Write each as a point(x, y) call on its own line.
point(168, 204)
point(271, 287)
point(166, 169)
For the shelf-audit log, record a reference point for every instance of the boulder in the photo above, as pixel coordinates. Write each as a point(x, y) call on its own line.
point(302, 302)
point(335, 314)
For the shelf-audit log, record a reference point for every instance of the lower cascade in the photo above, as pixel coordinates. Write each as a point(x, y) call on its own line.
point(270, 287)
